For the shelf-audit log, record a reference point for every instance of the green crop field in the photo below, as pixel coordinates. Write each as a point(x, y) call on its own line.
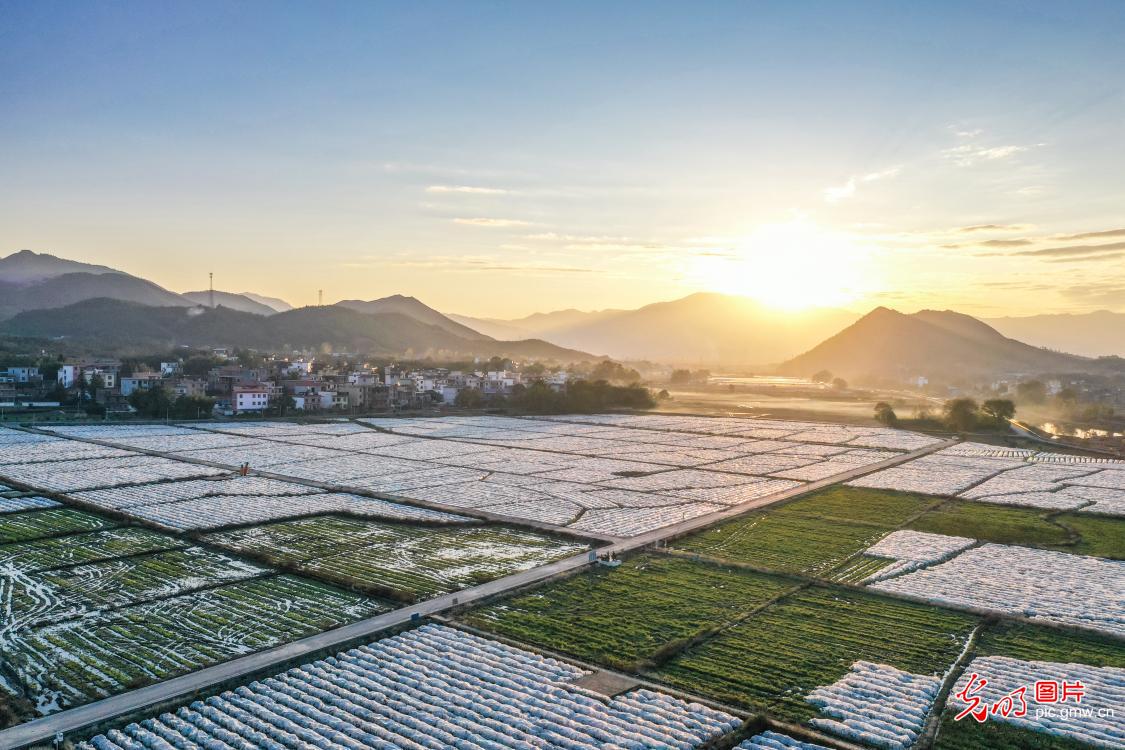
point(785, 542)
point(1078, 533)
point(1097, 535)
point(626, 616)
point(776, 657)
point(19, 527)
point(400, 561)
point(76, 549)
point(102, 654)
point(993, 523)
point(882, 507)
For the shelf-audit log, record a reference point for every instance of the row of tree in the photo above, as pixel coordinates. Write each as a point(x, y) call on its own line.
point(579, 396)
point(961, 414)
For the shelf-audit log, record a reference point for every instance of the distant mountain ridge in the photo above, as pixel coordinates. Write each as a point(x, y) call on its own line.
point(28, 267)
point(117, 327)
point(412, 308)
point(31, 281)
point(886, 343)
point(230, 300)
point(700, 329)
point(1096, 334)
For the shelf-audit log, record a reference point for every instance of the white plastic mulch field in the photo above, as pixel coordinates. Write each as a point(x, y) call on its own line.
point(430, 687)
point(672, 468)
point(664, 469)
point(912, 549)
point(218, 511)
point(1095, 721)
point(876, 704)
point(1055, 587)
point(16, 504)
point(974, 471)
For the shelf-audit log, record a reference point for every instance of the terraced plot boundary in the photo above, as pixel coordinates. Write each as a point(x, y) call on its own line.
point(44, 730)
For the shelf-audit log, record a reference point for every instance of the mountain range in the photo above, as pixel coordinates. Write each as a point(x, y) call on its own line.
point(49, 297)
point(119, 327)
point(700, 329)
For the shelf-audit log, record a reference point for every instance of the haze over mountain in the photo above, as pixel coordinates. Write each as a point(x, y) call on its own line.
point(117, 327)
point(27, 267)
point(936, 344)
point(1095, 334)
point(239, 302)
point(415, 309)
point(276, 303)
point(536, 324)
point(703, 328)
point(30, 281)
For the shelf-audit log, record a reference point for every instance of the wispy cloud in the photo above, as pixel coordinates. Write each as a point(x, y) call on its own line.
point(468, 189)
point(1107, 293)
point(489, 222)
point(1065, 251)
point(1092, 235)
point(968, 154)
point(577, 237)
point(995, 228)
point(847, 190)
point(1089, 258)
point(1017, 242)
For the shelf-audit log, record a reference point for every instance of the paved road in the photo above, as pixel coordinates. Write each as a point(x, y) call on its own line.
point(44, 729)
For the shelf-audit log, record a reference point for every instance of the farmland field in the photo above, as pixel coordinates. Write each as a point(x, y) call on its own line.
point(105, 653)
point(627, 616)
point(431, 687)
point(785, 542)
point(396, 560)
point(18, 527)
point(1104, 537)
point(810, 639)
point(1033, 643)
point(883, 507)
point(74, 549)
point(996, 523)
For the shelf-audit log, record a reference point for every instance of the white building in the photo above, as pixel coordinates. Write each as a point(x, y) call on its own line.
point(170, 369)
point(250, 398)
point(68, 375)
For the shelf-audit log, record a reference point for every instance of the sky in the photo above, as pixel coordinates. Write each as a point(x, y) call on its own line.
point(499, 159)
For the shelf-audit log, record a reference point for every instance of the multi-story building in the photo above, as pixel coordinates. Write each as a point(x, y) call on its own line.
point(250, 398)
point(21, 375)
point(141, 381)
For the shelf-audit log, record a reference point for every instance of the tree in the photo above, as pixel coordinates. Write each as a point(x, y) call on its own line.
point(839, 384)
point(614, 372)
point(824, 376)
point(664, 395)
point(960, 414)
point(1031, 392)
point(680, 377)
point(155, 403)
point(1067, 397)
point(885, 414)
point(469, 398)
point(1000, 410)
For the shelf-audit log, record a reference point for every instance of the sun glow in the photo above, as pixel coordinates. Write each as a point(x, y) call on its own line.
point(791, 266)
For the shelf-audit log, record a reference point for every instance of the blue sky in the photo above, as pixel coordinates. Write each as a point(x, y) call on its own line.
point(502, 158)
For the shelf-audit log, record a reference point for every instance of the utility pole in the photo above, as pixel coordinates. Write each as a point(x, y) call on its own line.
point(320, 297)
point(211, 287)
